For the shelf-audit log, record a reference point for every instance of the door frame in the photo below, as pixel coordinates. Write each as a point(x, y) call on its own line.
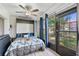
point(57, 34)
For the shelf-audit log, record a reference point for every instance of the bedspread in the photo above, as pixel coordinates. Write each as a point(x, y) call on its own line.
point(24, 46)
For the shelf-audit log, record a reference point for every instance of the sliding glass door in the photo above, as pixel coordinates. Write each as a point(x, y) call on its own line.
point(52, 32)
point(67, 33)
point(51, 24)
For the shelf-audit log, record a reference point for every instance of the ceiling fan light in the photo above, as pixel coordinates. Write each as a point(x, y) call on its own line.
point(27, 13)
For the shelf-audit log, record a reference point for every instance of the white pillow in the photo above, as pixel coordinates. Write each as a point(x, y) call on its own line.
point(26, 36)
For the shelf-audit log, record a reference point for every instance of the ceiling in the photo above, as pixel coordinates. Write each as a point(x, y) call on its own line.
point(49, 8)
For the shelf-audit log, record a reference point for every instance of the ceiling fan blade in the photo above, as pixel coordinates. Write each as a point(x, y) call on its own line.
point(34, 14)
point(20, 12)
point(28, 7)
point(22, 7)
point(35, 10)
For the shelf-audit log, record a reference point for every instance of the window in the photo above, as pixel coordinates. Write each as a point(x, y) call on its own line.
point(51, 24)
point(68, 31)
point(25, 26)
point(68, 22)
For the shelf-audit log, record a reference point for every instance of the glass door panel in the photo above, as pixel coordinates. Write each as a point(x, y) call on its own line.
point(51, 24)
point(67, 30)
point(64, 37)
point(68, 40)
point(72, 40)
point(64, 24)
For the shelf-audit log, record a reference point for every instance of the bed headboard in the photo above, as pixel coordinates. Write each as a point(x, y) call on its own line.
point(18, 35)
point(4, 44)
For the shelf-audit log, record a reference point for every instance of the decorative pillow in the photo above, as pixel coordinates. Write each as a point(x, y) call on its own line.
point(26, 36)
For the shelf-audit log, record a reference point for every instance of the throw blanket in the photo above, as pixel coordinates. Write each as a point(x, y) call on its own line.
point(24, 46)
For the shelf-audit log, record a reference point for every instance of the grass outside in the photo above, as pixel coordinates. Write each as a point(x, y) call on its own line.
point(69, 43)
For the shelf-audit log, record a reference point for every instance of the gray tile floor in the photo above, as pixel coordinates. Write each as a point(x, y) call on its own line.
point(46, 52)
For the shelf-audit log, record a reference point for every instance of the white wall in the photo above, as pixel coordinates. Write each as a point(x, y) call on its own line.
point(8, 19)
point(11, 20)
point(12, 30)
point(5, 15)
point(1, 26)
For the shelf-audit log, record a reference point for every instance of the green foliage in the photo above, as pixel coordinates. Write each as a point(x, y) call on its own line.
point(62, 20)
point(51, 22)
point(69, 42)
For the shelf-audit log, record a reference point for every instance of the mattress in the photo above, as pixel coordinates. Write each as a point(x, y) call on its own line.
point(24, 46)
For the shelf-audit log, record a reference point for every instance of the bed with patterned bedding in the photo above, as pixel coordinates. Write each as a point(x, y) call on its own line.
point(24, 46)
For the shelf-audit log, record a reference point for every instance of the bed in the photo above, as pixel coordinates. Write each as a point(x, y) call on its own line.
point(25, 46)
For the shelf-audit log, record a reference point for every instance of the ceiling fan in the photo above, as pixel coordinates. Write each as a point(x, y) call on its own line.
point(28, 10)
